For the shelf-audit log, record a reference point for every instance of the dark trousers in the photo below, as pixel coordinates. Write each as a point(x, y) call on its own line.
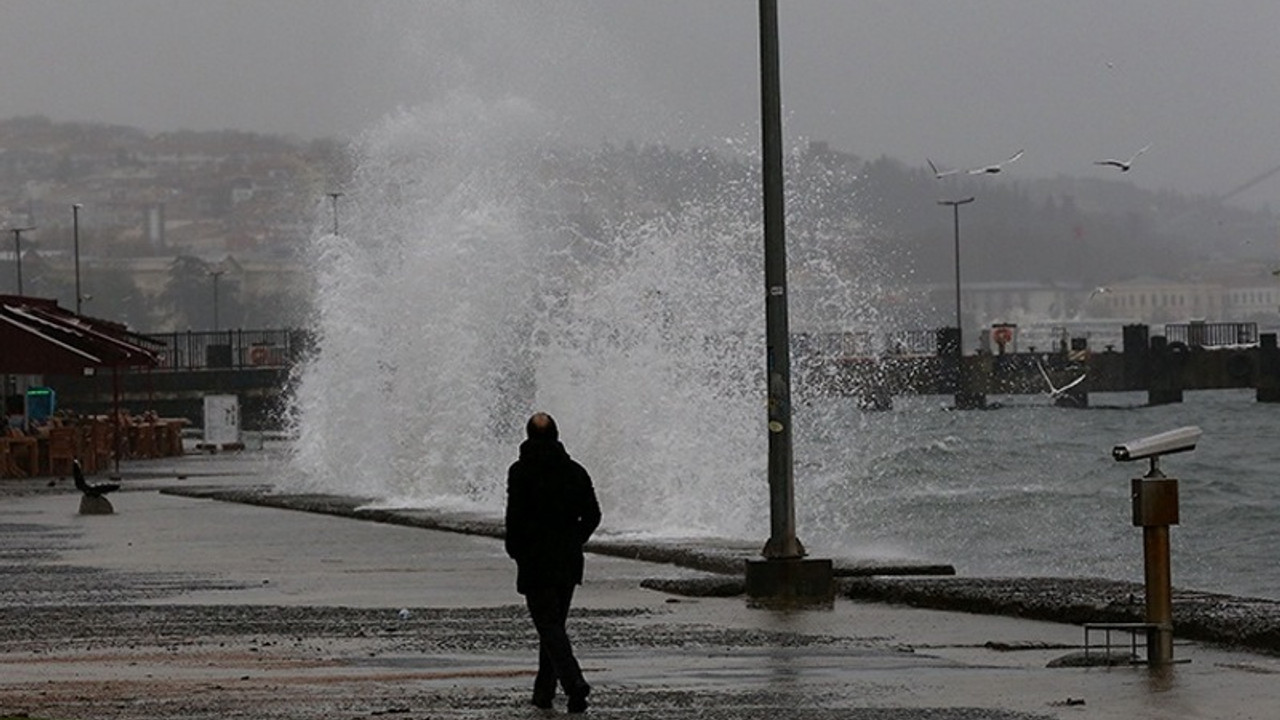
point(549, 608)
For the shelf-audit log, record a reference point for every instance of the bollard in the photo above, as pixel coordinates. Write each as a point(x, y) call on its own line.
point(1267, 381)
point(1155, 508)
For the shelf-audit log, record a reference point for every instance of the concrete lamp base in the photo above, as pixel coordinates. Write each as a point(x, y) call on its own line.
point(790, 583)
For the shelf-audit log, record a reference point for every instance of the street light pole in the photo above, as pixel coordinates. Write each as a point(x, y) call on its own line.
point(955, 212)
point(75, 235)
point(216, 274)
point(334, 197)
point(782, 514)
point(17, 249)
point(784, 576)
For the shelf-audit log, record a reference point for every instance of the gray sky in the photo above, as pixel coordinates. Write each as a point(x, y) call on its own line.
point(961, 82)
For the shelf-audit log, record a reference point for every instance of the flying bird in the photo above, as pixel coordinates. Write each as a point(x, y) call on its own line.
point(1099, 291)
point(1124, 165)
point(998, 167)
point(939, 174)
point(95, 490)
point(1056, 392)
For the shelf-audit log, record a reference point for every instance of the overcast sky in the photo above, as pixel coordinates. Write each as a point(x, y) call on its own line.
point(964, 83)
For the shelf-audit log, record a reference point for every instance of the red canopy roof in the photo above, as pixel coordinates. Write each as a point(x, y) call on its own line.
point(39, 338)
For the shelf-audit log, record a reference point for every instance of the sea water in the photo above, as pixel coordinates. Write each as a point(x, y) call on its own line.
point(1032, 489)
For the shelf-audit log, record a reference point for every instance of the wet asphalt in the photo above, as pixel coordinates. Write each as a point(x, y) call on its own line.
point(179, 605)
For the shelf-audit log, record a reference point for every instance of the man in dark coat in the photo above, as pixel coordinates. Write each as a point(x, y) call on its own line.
point(551, 512)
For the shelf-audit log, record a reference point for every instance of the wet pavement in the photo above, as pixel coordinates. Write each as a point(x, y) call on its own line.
point(179, 606)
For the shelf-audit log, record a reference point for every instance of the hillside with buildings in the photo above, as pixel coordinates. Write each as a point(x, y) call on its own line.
point(162, 217)
point(167, 221)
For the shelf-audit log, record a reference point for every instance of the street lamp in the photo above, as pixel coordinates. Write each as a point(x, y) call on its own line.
point(960, 383)
point(216, 274)
point(783, 542)
point(784, 575)
point(75, 235)
point(334, 197)
point(17, 245)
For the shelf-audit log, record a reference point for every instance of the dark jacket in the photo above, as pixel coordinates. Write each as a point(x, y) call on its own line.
point(551, 512)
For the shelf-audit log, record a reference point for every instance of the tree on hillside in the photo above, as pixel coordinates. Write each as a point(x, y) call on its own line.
point(111, 294)
point(188, 295)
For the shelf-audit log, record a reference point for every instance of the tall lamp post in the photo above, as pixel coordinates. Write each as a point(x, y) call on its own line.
point(963, 400)
point(333, 196)
point(75, 239)
point(215, 274)
point(17, 249)
point(784, 575)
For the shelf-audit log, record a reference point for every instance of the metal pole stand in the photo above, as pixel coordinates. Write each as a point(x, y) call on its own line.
point(1155, 508)
point(782, 583)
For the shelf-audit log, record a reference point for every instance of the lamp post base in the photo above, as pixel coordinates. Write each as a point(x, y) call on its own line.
point(790, 583)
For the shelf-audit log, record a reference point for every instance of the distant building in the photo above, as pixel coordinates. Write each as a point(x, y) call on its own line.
point(1158, 301)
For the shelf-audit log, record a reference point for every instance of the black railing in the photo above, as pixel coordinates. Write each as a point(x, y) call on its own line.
point(911, 342)
point(864, 343)
point(231, 349)
point(1212, 334)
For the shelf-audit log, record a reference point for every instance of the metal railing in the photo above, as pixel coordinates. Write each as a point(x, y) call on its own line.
point(911, 342)
point(1198, 334)
point(231, 349)
point(864, 343)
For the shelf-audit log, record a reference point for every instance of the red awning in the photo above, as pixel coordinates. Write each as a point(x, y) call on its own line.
point(39, 338)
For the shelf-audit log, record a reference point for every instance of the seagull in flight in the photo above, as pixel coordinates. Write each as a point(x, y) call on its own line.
point(939, 174)
point(1124, 165)
point(1057, 392)
point(1099, 290)
point(993, 169)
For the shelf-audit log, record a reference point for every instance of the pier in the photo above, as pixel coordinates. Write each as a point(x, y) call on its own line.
point(257, 366)
point(1193, 356)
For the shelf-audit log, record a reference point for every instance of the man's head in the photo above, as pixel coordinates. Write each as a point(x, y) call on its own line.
point(542, 426)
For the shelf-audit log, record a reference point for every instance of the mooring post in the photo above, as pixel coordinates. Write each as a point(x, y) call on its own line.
point(1267, 385)
point(1164, 372)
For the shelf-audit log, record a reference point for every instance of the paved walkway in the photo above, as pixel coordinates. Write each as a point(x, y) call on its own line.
point(184, 607)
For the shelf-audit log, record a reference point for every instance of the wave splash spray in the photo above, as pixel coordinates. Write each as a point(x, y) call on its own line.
point(458, 297)
point(449, 310)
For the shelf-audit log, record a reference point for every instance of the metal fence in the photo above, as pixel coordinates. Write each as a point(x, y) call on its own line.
point(231, 349)
point(1212, 334)
point(865, 343)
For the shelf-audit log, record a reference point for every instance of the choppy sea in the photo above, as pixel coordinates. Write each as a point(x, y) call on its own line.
point(1032, 489)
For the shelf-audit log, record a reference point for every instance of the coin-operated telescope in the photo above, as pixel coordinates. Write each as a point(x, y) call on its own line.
point(1155, 508)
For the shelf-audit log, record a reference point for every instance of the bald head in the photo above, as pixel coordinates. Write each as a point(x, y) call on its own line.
point(542, 426)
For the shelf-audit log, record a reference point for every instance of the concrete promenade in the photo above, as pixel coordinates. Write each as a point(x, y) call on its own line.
point(187, 607)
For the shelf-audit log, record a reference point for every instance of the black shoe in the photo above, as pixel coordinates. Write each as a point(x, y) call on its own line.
point(578, 700)
point(542, 701)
